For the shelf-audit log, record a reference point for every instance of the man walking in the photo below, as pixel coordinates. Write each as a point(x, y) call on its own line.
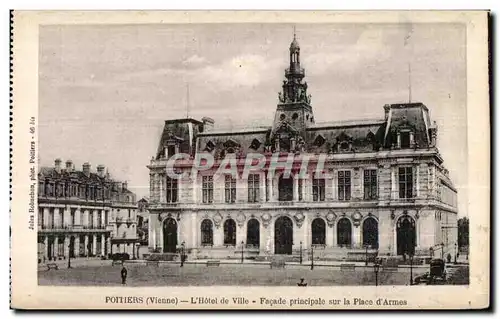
point(124, 275)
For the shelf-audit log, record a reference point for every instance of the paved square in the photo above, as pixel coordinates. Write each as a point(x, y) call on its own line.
point(224, 275)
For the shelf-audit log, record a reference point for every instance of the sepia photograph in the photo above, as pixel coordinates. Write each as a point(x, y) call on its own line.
point(252, 154)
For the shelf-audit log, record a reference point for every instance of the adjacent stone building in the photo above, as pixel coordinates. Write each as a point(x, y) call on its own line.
point(386, 189)
point(83, 213)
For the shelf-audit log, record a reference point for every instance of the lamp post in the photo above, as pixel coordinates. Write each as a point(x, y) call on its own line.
point(182, 253)
point(366, 255)
point(442, 251)
point(300, 253)
point(455, 253)
point(69, 256)
point(312, 257)
point(376, 268)
point(411, 269)
point(242, 247)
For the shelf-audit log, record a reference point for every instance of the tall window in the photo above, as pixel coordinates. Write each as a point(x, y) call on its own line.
point(318, 189)
point(171, 190)
point(344, 185)
point(405, 182)
point(60, 246)
point(208, 189)
point(73, 217)
point(99, 219)
point(253, 188)
point(230, 232)
point(61, 218)
point(230, 189)
point(91, 220)
point(300, 189)
point(51, 218)
point(370, 183)
point(40, 217)
point(405, 139)
point(318, 230)
point(207, 233)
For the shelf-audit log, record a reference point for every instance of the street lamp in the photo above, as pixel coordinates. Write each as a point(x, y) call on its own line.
point(301, 253)
point(312, 257)
point(69, 256)
point(182, 254)
point(455, 253)
point(376, 268)
point(411, 269)
point(366, 254)
point(442, 251)
point(242, 244)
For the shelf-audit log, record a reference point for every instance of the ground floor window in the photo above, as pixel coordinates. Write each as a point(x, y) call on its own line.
point(344, 231)
point(230, 232)
point(318, 230)
point(207, 233)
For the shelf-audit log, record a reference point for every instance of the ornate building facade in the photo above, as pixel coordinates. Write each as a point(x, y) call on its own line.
point(83, 213)
point(384, 189)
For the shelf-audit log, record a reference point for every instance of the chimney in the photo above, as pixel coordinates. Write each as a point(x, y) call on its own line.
point(119, 186)
point(124, 186)
point(69, 165)
point(387, 109)
point(100, 170)
point(57, 165)
point(86, 169)
point(208, 124)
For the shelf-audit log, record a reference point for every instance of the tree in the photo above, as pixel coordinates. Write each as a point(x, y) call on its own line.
point(463, 232)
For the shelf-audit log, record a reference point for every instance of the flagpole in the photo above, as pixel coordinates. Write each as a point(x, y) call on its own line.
point(409, 82)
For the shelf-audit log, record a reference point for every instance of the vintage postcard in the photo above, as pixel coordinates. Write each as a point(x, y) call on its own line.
point(250, 160)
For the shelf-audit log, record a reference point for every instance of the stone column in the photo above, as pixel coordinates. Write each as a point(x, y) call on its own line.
point(55, 251)
point(262, 187)
point(393, 183)
point(85, 221)
point(195, 228)
point(163, 193)
point(86, 253)
point(45, 217)
point(417, 181)
point(103, 244)
point(356, 236)
point(95, 216)
point(218, 236)
point(295, 188)
point(329, 236)
point(77, 246)
point(77, 217)
point(335, 185)
point(94, 244)
point(46, 247)
point(270, 187)
point(66, 246)
point(57, 221)
point(103, 218)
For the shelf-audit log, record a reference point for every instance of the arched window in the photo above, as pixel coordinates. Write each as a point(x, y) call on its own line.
point(253, 233)
point(230, 232)
point(370, 233)
point(207, 232)
point(318, 230)
point(344, 231)
point(406, 235)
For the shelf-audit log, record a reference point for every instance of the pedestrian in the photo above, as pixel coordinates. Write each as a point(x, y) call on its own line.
point(124, 275)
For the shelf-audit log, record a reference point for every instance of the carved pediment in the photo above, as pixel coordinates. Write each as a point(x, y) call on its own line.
point(343, 137)
point(230, 143)
point(210, 146)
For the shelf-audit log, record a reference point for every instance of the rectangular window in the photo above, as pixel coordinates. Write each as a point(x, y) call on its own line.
point(60, 246)
point(170, 150)
point(99, 220)
point(253, 188)
point(405, 139)
point(405, 182)
point(230, 189)
point(61, 219)
point(370, 184)
point(208, 189)
point(91, 220)
point(318, 189)
point(344, 185)
point(82, 217)
point(172, 184)
point(73, 217)
point(40, 217)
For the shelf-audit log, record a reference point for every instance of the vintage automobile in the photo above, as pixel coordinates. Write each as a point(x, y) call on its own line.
point(435, 276)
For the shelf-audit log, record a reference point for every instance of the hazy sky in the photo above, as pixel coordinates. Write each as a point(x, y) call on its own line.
point(105, 91)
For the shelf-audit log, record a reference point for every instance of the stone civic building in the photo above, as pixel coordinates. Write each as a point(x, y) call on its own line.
point(83, 213)
point(386, 188)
